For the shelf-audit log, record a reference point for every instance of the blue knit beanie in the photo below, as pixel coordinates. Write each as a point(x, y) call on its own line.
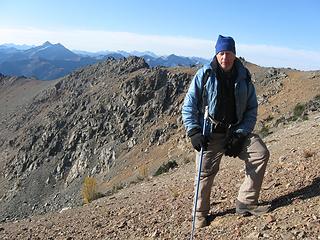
point(225, 44)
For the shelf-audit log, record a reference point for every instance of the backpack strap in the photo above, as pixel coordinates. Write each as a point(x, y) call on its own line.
point(248, 75)
point(203, 99)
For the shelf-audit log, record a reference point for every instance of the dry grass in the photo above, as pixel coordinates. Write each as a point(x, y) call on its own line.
point(89, 190)
point(174, 192)
point(143, 172)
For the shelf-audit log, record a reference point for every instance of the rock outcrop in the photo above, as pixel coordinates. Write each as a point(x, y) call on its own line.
point(83, 125)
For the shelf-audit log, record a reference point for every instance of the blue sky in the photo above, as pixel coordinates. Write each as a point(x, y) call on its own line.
point(279, 33)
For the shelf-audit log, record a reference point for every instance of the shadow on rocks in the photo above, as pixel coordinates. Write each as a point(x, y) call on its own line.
point(211, 217)
point(313, 190)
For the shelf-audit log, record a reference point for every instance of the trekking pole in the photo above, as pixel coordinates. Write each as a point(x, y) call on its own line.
point(195, 200)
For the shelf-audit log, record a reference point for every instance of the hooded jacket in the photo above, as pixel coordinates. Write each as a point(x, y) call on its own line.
point(245, 101)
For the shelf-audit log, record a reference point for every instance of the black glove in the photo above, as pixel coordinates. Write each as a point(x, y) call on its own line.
point(197, 139)
point(234, 144)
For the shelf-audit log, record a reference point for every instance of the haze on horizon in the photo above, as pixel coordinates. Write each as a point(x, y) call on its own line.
point(265, 35)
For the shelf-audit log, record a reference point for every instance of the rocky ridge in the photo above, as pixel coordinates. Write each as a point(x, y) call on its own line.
point(84, 125)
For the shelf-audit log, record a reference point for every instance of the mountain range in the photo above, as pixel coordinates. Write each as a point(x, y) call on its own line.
point(51, 61)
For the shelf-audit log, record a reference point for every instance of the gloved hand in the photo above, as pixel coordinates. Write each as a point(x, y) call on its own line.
point(197, 139)
point(234, 144)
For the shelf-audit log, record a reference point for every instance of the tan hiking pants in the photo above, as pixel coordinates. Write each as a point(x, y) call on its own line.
point(255, 156)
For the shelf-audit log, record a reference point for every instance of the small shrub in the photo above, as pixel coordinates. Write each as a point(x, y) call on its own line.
point(269, 118)
point(142, 173)
point(166, 167)
point(89, 190)
point(317, 98)
point(264, 131)
point(298, 111)
point(187, 160)
point(280, 121)
point(308, 153)
point(116, 188)
point(135, 181)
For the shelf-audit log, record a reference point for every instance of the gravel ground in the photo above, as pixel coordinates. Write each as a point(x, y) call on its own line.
point(160, 208)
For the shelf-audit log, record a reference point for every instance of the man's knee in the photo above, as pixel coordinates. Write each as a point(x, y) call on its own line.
point(264, 152)
point(260, 148)
point(206, 173)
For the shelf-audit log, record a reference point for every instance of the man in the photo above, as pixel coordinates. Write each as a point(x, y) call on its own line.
point(232, 106)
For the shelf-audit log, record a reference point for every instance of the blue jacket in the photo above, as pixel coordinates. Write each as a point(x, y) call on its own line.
point(245, 100)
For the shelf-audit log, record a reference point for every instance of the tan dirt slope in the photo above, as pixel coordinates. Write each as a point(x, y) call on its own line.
point(298, 87)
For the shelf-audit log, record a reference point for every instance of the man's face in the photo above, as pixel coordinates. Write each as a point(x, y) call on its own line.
point(226, 60)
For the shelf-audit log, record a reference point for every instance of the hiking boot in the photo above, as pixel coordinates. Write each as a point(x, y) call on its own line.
point(251, 209)
point(200, 222)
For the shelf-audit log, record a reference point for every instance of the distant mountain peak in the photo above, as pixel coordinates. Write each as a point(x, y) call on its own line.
point(47, 44)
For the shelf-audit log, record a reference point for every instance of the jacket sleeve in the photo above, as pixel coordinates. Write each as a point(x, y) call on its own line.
point(249, 119)
point(190, 108)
